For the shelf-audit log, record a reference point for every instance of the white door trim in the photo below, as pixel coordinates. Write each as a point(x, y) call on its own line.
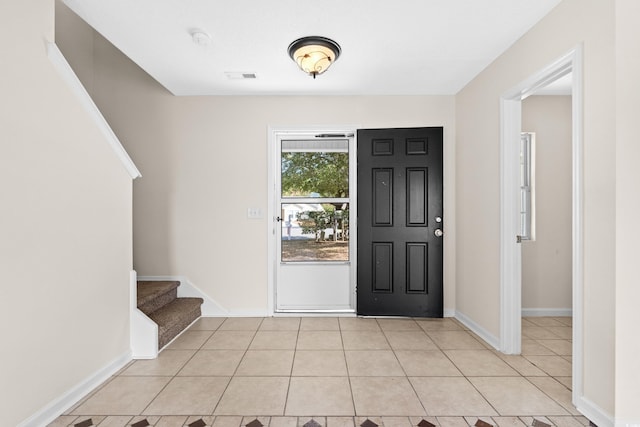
point(272, 158)
point(510, 254)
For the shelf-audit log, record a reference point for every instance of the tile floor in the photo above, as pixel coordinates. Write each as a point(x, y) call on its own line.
point(339, 372)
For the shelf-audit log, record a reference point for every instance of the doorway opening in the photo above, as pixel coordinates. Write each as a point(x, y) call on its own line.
point(312, 193)
point(510, 239)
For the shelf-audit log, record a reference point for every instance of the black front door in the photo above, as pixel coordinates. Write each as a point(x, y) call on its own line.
point(400, 222)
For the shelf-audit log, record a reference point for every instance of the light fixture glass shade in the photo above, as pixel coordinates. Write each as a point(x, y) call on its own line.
point(314, 55)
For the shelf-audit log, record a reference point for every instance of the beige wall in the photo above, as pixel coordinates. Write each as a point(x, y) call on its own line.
point(627, 374)
point(65, 227)
point(204, 162)
point(571, 23)
point(546, 261)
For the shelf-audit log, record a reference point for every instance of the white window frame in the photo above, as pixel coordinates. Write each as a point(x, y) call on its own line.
point(527, 186)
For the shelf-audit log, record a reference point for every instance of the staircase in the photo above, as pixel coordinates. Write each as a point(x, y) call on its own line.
point(160, 302)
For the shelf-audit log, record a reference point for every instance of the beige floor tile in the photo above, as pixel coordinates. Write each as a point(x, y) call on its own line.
point(359, 420)
point(398, 421)
point(274, 363)
point(358, 324)
point(117, 421)
point(283, 422)
point(398, 325)
point(564, 332)
point(559, 347)
point(229, 340)
point(365, 340)
point(172, 421)
point(565, 381)
point(385, 396)
point(319, 340)
point(227, 421)
point(450, 396)
point(409, 340)
point(319, 324)
point(434, 325)
point(544, 321)
point(566, 321)
point(241, 324)
point(207, 419)
point(479, 363)
point(538, 333)
point(529, 420)
point(213, 363)
point(516, 396)
point(319, 363)
point(426, 363)
point(168, 363)
point(472, 421)
point(207, 324)
point(452, 422)
point(565, 421)
point(534, 348)
point(123, 396)
point(455, 340)
point(190, 340)
point(188, 396)
point(263, 420)
point(254, 395)
point(556, 391)
point(340, 422)
point(373, 363)
point(508, 422)
point(280, 324)
point(522, 365)
point(552, 365)
point(319, 395)
point(64, 421)
point(274, 340)
point(152, 420)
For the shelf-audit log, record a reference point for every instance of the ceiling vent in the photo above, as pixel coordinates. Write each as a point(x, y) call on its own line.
point(240, 76)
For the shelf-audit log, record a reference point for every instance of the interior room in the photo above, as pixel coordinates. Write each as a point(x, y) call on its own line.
point(151, 144)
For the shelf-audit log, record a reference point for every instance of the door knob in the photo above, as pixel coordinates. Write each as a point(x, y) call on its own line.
point(438, 232)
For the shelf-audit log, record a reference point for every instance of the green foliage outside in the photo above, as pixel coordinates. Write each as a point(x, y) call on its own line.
point(321, 174)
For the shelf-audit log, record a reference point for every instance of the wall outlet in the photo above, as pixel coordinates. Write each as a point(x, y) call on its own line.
point(254, 213)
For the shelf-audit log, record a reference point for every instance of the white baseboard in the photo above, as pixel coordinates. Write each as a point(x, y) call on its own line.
point(449, 312)
point(57, 407)
point(547, 312)
point(478, 330)
point(594, 413)
point(210, 308)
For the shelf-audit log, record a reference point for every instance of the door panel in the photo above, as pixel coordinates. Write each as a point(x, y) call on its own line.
point(399, 197)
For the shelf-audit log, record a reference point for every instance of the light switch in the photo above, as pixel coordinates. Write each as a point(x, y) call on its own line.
point(254, 213)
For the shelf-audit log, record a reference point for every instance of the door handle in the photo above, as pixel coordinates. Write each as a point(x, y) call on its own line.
point(438, 232)
point(278, 219)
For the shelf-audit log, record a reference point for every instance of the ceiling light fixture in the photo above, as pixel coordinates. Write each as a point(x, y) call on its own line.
point(314, 54)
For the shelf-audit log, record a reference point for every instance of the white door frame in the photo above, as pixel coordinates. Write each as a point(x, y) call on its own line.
point(272, 158)
point(510, 251)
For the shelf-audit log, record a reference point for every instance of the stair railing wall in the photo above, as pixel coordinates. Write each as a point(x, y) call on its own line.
point(143, 331)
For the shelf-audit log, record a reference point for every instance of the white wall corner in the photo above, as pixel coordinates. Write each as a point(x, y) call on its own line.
point(594, 413)
point(57, 407)
point(489, 338)
point(143, 332)
point(71, 79)
point(210, 308)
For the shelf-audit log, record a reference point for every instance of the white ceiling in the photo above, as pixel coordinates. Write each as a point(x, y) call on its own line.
point(400, 47)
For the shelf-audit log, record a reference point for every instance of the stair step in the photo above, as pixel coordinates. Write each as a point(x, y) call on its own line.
point(152, 295)
point(174, 317)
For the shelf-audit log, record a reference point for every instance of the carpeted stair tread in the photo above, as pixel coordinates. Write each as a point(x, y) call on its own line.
point(174, 317)
point(154, 295)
